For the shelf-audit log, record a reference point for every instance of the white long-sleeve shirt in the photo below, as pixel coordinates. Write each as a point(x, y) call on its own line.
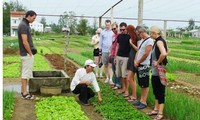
point(82, 75)
point(95, 41)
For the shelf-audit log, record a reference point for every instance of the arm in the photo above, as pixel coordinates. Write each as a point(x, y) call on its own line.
point(101, 41)
point(135, 47)
point(25, 43)
point(144, 56)
point(99, 97)
point(163, 53)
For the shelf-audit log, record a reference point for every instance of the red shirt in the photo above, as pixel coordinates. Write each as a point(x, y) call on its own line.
point(114, 44)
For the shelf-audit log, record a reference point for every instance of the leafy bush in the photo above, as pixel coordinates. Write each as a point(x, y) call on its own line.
point(8, 104)
point(59, 108)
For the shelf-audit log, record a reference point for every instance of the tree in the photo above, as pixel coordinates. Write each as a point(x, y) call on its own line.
point(43, 21)
point(63, 20)
point(55, 28)
point(92, 29)
point(7, 7)
point(82, 26)
point(191, 24)
point(72, 22)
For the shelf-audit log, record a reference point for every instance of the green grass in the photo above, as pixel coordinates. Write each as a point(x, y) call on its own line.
point(8, 104)
point(179, 65)
point(184, 46)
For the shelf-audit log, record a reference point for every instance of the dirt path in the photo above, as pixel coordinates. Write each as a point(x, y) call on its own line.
point(23, 109)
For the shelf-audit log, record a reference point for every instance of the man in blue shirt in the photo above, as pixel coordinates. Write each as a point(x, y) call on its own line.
point(105, 44)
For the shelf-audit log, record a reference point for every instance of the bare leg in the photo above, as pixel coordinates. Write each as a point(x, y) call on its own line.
point(96, 60)
point(101, 71)
point(24, 84)
point(125, 85)
point(161, 108)
point(110, 70)
point(144, 95)
point(106, 71)
point(132, 83)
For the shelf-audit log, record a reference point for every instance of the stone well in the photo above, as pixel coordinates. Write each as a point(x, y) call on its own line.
point(49, 78)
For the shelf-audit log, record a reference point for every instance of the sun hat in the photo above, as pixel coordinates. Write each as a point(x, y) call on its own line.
point(98, 30)
point(90, 63)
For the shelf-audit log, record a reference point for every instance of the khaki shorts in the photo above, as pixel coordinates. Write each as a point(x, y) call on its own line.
point(27, 66)
point(104, 58)
point(121, 66)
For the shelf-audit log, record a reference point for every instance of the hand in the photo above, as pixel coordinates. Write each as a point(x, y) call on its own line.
point(87, 82)
point(136, 64)
point(99, 99)
point(115, 60)
point(155, 63)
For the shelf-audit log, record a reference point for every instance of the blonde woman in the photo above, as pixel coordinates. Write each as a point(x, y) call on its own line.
point(95, 43)
point(159, 53)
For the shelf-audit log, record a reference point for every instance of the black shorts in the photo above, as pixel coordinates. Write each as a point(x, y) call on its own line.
point(143, 75)
point(96, 52)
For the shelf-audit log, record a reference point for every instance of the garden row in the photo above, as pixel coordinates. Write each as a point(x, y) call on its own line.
point(175, 107)
point(59, 108)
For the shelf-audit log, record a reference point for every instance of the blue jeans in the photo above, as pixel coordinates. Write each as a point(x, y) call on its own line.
point(116, 79)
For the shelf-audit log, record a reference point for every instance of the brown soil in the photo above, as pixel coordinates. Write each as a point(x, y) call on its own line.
point(10, 51)
point(58, 63)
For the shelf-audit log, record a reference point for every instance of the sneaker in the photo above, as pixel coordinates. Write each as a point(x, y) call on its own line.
point(97, 75)
point(111, 82)
point(136, 103)
point(101, 76)
point(106, 81)
point(141, 106)
point(28, 96)
point(115, 88)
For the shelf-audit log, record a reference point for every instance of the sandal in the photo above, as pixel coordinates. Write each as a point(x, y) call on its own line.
point(125, 94)
point(153, 112)
point(130, 99)
point(121, 92)
point(159, 116)
point(28, 97)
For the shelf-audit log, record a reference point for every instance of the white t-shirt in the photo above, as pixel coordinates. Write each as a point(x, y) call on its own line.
point(142, 49)
point(81, 75)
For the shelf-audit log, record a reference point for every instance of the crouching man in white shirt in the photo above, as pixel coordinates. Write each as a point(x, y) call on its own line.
point(82, 80)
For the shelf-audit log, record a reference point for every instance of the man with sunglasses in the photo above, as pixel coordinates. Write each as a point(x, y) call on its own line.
point(122, 54)
point(142, 63)
point(105, 44)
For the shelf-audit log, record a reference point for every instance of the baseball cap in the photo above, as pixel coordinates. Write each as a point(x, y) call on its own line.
point(90, 63)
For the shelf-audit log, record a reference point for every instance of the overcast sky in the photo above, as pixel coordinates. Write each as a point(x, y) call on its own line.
point(153, 9)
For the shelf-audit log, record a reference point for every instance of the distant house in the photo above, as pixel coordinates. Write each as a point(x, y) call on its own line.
point(195, 33)
point(15, 19)
point(47, 29)
point(37, 26)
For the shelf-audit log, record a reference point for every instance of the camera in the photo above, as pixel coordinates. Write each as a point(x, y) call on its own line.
point(100, 64)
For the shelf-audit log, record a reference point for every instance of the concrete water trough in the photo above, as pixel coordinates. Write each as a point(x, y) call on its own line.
point(49, 79)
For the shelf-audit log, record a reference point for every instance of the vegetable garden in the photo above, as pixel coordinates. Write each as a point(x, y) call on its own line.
point(183, 57)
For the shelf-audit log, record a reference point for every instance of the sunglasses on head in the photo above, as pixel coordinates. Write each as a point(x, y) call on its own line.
point(122, 29)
